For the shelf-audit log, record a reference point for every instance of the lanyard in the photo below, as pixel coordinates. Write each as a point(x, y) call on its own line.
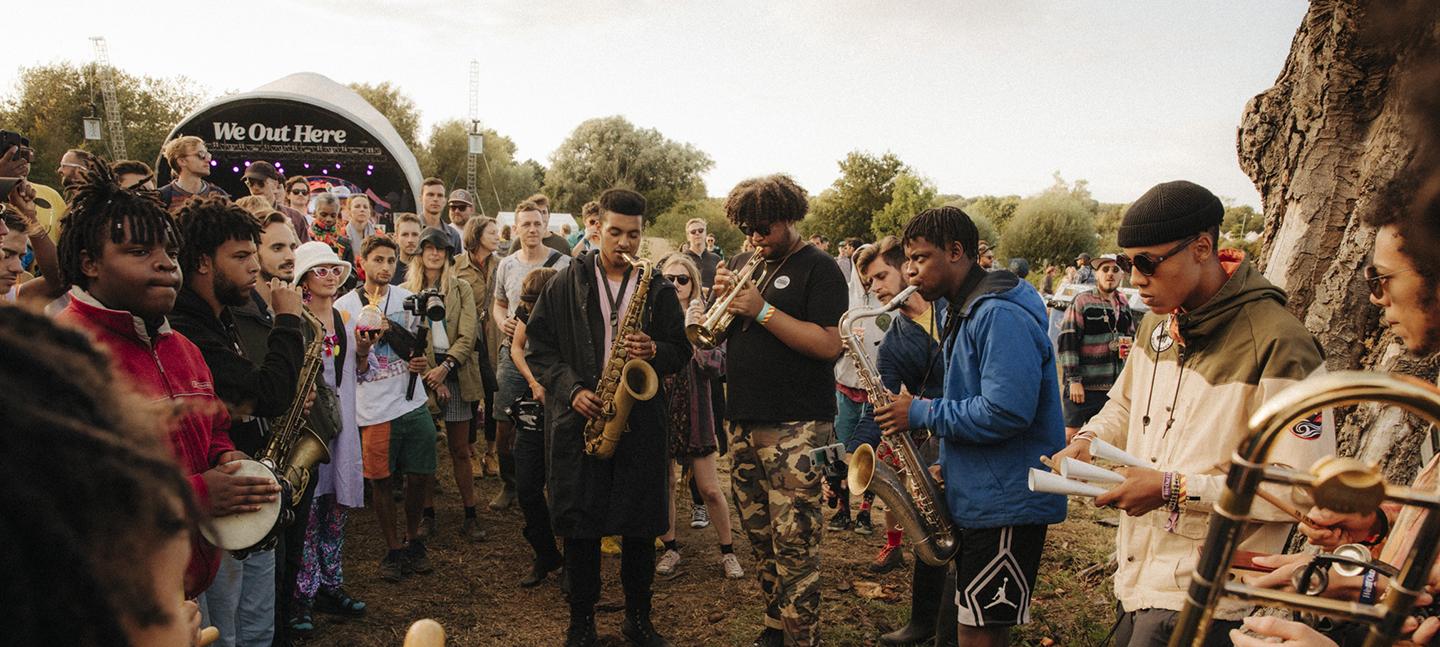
point(614, 299)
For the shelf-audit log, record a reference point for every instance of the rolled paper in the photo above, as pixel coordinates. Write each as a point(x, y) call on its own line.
point(1082, 471)
point(1102, 449)
point(1052, 483)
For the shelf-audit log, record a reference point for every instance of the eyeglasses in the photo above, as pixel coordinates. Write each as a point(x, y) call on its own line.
point(459, 206)
point(749, 229)
point(1109, 268)
point(299, 191)
point(71, 165)
point(204, 155)
point(1147, 263)
point(1376, 280)
point(326, 271)
point(696, 232)
point(254, 181)
point(677, 279)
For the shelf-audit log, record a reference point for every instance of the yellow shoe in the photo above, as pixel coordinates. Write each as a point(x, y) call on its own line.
point(610, 545)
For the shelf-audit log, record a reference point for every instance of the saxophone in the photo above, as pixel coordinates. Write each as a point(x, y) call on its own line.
point(294, 449)
point(910, 492)
point(622, 382)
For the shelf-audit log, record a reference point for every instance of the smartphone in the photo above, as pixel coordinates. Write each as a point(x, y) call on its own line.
point(830, 458)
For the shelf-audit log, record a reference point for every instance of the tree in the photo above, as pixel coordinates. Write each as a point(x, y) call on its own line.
point(910, 196)
point(500, 182)
point(398, 107)
point(1107, 225)
point(866, 184)
point(671, 224)
point(1321, 145)
point(50, 101)
point(612, 152)
point(997, 209)
point(1047, 227)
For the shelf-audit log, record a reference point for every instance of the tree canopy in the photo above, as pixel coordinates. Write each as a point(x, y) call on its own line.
point(865, 186)
point(397, 106)
point(50, 101)
point(671, 224)
point(1048, 227)
point(612, 152)
point(911, 195)
point(500, 181)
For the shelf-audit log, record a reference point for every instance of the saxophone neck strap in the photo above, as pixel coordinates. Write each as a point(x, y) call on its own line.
point(614, 298)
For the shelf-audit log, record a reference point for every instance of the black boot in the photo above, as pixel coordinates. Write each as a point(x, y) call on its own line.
point(540, 569)
point(582, 630)
point(946, 631)
point(639, 631)
point(927, 585)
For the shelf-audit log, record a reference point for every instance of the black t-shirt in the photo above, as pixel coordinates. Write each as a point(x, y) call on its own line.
point(769, 381)
point(707, 261)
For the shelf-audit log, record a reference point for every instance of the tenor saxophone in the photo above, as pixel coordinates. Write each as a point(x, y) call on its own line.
point(910, 492)
point(622, 382)
point(293, 448)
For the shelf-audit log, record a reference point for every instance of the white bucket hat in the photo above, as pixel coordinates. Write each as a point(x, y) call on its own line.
point(314, 254)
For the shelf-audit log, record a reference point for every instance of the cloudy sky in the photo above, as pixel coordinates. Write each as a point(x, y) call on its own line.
point(981, 97)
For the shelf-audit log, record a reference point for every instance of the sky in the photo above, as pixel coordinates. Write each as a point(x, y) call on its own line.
point(980, 97)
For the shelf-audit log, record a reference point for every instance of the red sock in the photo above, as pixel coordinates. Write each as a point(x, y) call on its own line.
point(864, 505)
point(892, 538)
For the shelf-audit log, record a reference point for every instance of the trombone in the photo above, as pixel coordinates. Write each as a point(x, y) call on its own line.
point(1340, 484)
point(710, 332)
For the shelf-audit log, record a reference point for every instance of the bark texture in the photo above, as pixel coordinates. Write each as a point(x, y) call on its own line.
point(1320, 145)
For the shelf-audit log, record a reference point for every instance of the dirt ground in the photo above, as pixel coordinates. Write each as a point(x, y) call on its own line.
point(474, 594)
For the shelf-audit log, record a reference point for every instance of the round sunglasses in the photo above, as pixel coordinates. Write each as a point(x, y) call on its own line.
point(1147, 263)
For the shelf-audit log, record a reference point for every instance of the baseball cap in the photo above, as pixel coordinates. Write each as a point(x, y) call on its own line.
point(263, 171)
point(462, 196)
point(1101, 260)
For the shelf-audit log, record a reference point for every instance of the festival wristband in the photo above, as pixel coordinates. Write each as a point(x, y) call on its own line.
point(764, 315)
point(1367, 586)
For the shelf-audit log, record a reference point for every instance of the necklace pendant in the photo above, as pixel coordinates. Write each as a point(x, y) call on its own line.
point(1114, 345)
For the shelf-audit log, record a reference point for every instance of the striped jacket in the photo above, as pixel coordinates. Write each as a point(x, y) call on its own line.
point(1091, 324)
point(1182, 402)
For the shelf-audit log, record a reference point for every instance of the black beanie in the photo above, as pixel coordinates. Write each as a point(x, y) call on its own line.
point(1168, 212)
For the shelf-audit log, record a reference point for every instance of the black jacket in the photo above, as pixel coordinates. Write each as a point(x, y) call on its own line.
point(249, 389)
point(627, 494)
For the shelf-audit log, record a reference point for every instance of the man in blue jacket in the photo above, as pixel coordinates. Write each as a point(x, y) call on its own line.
point(1000, 412)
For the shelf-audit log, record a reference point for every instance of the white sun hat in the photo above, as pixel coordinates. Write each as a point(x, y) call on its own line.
point(314, 254)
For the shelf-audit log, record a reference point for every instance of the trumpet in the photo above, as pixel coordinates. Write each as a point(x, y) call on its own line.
point(1341, 484)
point(710, 331)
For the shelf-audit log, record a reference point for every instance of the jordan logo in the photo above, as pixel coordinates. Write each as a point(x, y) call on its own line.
point(1000, 596)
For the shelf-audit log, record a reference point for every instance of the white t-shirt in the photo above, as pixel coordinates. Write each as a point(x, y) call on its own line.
point(510, 277)
point(380, 392)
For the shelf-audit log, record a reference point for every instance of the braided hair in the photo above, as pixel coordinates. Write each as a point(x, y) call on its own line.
point(100, 211)
point(91, 491)
point(942, 226)
point(769, 199)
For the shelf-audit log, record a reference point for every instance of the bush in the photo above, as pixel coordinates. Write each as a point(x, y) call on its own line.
point(1049, 227)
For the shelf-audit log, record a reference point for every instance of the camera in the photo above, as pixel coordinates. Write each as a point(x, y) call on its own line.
point(9, 138)
point(428, 304)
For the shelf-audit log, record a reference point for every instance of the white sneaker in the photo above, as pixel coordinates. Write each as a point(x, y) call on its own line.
point(699, 517)
point(731, 564)
point(666, 566)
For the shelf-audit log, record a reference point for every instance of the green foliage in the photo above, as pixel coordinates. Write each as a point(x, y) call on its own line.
point(49, 102)
point(986, 228)
point(997, 209)
point(612, 152)
point(865, 186)
point(1048, 227)
point(1107, 224)
point(910, 196)
point(398, 107)
point(500, 187)
point(671, 224)
point(1241, 220)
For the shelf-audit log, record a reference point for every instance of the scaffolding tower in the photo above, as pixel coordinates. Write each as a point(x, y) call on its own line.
point(112, 106)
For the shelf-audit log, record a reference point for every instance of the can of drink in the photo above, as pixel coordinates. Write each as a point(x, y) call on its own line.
point(1122, 346)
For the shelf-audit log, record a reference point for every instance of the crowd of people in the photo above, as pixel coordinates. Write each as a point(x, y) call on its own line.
point(156, 340)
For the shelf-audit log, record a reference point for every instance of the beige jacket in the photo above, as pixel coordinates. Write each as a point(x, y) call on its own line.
point(1184, 408)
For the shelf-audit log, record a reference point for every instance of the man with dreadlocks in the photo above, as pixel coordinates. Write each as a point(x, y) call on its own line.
point(220, 263)
point(999, 412)
point(790, 320)
point(117, 255)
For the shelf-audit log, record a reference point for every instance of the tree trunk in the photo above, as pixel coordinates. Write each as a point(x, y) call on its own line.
point(1320, 145)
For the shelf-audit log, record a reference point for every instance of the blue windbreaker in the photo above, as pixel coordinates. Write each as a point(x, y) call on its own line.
point(1001, 408)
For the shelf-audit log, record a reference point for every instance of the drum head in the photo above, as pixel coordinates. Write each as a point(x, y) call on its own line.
point(238, 531)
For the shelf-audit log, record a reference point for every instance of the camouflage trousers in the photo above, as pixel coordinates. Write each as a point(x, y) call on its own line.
point(777, 491)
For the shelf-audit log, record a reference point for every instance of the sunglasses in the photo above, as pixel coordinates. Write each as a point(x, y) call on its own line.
point(299, 191)
point(1108, 269)
point(696, 232)
point(1376, 281)
point(1148, 263)
point(677, 279)
point(325, 271)
point(749, 230)
point(204, 155)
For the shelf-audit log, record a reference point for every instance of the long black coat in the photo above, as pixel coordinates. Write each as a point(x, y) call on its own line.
point(627, 494)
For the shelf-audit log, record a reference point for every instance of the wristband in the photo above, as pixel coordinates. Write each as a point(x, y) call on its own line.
point(1367, 586)
point(765, 312)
